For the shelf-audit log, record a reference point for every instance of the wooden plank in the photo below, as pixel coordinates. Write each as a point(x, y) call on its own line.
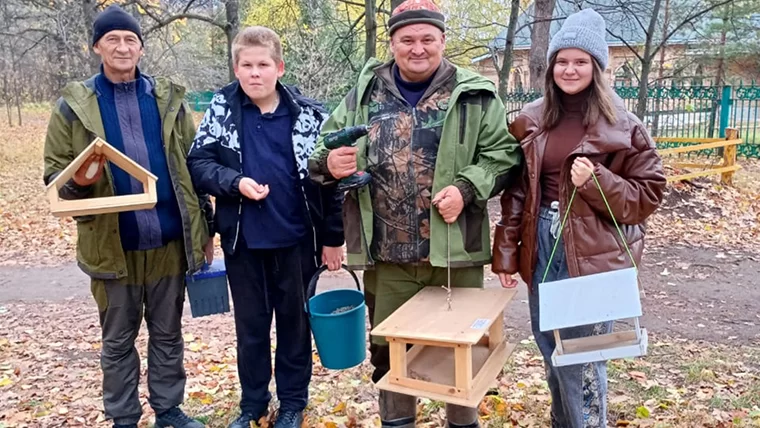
point(398, 358)
point(558, 342)
point(591, 343)
point(695, 165)
point(438, 365)
point(713, 171)
point(126, 163)
point(463, 366)
point(483, 381)
point(686, 140)
point(73, 167)
point(729, 157)
point(603, 354)
point(426, 316)
point(427, 387)
point(111, 204)
point(496, 333)
point(697, 147)
point(589, 299)
point(491, 370)
point(429, 342)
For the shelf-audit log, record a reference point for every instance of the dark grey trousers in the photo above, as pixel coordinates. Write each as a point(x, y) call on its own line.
point(154, 290)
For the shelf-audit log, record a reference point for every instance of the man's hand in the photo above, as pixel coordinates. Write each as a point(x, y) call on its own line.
point(253, 190)
point(582, 170)
point(332, 257)
point(449, 203)
point(90, 171)
point(341, 162)
point(507, 280)
point(208, 250)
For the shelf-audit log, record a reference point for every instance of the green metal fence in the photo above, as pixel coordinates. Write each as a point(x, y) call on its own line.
point(687, 111)
point(672, 111)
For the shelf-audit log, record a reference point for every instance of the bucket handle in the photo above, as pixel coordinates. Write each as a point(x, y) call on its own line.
point(312, 289)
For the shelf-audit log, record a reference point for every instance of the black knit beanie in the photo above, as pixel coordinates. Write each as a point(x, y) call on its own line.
point(114, 18)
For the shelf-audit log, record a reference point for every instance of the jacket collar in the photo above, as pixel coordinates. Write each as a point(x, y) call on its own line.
point(600, 137)
point(445, 73)
point(233, 94)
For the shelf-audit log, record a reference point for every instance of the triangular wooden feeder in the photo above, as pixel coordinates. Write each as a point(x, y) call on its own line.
point(109, 204)
point(591, 299)
point(453, 355)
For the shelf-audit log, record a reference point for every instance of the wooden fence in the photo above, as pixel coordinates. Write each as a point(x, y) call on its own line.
point(726, 169)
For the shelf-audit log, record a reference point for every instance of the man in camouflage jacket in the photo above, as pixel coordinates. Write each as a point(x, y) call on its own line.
point(438, 138)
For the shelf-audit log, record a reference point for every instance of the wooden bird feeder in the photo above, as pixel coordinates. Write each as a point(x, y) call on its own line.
point(109, 204)
point(591, 299)
point(452, 355)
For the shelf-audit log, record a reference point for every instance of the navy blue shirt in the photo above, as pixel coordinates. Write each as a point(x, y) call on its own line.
point(278, 220)
point(132, 125)
point(411, 91)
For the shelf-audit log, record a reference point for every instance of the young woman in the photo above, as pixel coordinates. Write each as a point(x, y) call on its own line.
point(579, 134)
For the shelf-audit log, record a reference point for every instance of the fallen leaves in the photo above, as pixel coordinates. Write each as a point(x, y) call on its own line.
point(679, 384)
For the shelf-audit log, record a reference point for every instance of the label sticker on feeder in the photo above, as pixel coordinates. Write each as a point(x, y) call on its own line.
point(479, 324)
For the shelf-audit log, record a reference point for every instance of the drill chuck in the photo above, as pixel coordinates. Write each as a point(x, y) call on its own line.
point(345, 137)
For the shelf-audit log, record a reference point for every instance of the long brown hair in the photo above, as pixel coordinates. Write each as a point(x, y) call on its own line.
point(599, 102)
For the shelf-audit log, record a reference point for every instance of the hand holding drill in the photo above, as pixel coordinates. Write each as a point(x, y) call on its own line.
point(341, 162)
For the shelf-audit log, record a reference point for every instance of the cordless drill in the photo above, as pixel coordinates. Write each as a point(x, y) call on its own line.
point(347, 137)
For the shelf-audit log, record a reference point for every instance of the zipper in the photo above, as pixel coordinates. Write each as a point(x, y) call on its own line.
point(462, 122)
point(240, 200)
point(188, 241)
point(414, 179)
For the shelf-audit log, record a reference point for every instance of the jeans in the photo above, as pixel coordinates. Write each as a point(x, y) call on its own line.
point(579, 392)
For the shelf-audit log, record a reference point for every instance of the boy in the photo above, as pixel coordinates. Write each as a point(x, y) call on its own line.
point(251, 152)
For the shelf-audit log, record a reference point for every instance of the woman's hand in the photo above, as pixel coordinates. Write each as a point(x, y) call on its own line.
point(581, 171)
point(507, 280)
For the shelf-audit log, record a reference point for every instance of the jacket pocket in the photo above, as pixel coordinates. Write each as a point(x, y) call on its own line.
point(471, 226)
point(87, 243)
point(352, 224)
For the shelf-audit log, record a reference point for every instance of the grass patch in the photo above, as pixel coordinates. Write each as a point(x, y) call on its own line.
point(699, 371)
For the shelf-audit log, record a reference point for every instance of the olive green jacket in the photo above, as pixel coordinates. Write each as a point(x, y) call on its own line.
point(74, 123)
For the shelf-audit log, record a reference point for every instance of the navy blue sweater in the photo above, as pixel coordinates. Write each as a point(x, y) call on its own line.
point(132, 125)
point(278, 220)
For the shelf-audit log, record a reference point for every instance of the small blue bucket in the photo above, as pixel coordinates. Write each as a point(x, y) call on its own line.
point(207, 290)
point(338, 324)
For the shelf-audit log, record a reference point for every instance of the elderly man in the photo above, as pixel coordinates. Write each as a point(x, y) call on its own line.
point(438, 138)
point(137, 260)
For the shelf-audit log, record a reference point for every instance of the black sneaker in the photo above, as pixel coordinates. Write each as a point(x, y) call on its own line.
point(244, 421)
point(289, 419)
point(124, 425)
point(176, 418)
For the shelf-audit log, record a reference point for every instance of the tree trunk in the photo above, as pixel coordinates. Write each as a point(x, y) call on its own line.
point(370, 26)
point(660, 72)
point(539, 42)
point(720, 77)
point(506, 65)
point(232, 11)
point(395, 3)
point(646, 63)
point(89, 11)
point(310, 12)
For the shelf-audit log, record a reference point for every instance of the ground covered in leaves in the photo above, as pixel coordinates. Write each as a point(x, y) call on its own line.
point(49, 376)
point(702, 370)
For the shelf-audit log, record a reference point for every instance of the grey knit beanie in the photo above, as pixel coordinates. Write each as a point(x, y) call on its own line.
point(583, 30)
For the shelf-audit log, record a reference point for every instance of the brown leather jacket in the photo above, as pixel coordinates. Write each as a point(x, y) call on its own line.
point(629, 171)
